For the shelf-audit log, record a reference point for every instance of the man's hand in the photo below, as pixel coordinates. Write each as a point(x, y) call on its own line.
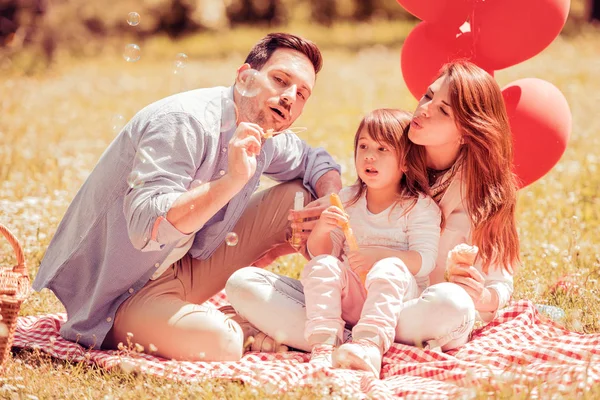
point(309, 215)
point(244, 146)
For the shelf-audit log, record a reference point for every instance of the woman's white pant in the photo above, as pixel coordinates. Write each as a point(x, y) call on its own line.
point(443, 315)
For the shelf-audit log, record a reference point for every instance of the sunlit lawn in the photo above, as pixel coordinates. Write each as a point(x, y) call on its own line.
point(55, 125)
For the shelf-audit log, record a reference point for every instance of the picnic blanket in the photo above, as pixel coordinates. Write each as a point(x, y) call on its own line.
point(520, 346)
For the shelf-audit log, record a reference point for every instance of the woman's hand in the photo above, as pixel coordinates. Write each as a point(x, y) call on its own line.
point(471, 280)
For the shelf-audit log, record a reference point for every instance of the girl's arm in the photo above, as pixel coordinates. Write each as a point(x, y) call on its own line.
point(412, 259)
point(423, 231)
point(320, 241)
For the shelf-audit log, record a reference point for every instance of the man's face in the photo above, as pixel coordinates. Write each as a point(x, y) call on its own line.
point(284, 85)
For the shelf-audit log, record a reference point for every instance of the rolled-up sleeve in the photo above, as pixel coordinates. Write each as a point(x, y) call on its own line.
point(167, 156)
point(293, 158)
point(423, 229)
point(501, 281)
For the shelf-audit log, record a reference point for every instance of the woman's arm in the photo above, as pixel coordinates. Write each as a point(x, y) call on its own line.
point(489, 292)
point(412, 259)
point(423, 234)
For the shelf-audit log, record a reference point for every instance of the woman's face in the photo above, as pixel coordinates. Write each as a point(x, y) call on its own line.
point(433, 124)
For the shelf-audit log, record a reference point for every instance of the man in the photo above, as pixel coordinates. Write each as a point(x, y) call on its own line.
point(141, 247)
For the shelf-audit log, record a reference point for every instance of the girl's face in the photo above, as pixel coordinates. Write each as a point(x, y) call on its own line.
point(433, 124)
point(377, 163)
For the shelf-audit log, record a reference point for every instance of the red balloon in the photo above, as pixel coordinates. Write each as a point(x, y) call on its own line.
point(425, 51)
point(540, 121)
point(451, 13)
point(508, 32)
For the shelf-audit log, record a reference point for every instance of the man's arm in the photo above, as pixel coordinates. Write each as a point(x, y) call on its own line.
point(194, 208)
point(329, 182)
point(295, 159)
point(159, 209)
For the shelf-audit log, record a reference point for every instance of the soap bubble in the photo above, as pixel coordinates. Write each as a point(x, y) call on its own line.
point(133, 18)
point(134, 180)
point(180, 61)
point(228, 114)
point(231, 239)
point(117, 122)
point(249, 85)
point(222, 111)
point(132, 52)
point(146, 155)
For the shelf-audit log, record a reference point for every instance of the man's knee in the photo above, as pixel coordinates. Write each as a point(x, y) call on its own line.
point(242, 284)
point(219, 340)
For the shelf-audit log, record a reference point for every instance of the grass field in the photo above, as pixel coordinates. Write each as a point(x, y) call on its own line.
point(55, 124)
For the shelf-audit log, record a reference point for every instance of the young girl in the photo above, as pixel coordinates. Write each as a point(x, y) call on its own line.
point(397, 228)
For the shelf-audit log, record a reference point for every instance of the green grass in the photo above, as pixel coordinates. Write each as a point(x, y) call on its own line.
point(55, 124)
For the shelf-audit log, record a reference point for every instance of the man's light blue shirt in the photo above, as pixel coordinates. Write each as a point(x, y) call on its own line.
point(115, 234)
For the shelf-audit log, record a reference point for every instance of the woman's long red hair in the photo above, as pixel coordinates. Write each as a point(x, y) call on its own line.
point(486, 156)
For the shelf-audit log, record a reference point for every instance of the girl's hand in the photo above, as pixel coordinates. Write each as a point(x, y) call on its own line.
point(470, 279)
point(306, 219)
point(362, 261)
point(331, 218)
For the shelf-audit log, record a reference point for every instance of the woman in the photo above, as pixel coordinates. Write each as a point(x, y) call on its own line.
point(460, 128)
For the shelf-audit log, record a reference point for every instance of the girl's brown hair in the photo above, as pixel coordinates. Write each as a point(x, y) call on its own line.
point(387, 126)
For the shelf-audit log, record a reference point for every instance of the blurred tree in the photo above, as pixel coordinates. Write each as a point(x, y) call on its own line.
point(8, 21)
point(323, 11)
point(594, 10)
point(210, 14)
point(22, 23)
point(249, 11)
point(364, 10)
point(176, 22)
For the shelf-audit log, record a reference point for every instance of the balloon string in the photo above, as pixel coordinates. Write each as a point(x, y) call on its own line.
point(474, 30)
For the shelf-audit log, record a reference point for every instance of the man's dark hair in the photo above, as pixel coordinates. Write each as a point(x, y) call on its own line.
point(262, 51)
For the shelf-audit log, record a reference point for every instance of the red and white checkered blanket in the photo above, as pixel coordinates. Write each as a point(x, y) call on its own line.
point(520, 346)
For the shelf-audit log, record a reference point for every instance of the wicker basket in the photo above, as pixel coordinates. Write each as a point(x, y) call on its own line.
point(14, 288)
